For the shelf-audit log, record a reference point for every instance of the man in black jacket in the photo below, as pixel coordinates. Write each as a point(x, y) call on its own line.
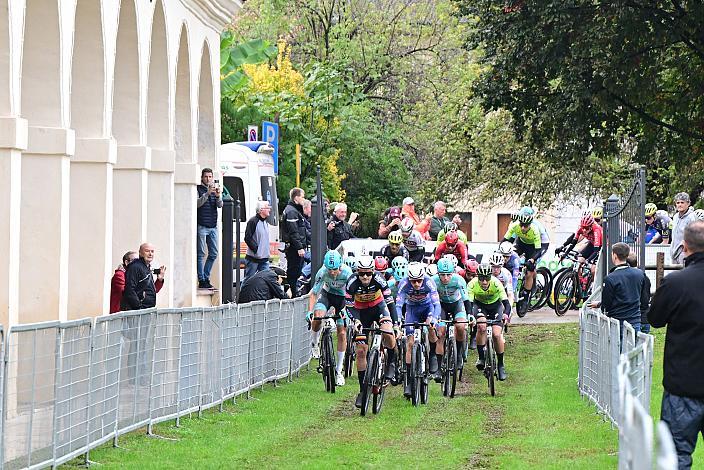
point(264, 285)
point(293, 232)
point(140, 289)
point(338, 229)
point(644, 295)
point(679, 304)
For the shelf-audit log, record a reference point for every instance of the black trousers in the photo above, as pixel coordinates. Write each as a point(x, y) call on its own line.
point(294, 265)
point(685, 416)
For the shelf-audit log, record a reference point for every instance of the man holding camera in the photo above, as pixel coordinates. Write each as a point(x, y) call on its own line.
point(140, 288)
point(338, 229)
point(209, 200)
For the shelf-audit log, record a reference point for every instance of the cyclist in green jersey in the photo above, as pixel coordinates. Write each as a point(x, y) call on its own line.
point(489, 302)
point(451, 227)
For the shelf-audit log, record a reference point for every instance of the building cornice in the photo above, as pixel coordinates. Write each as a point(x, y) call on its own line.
point(213, 13)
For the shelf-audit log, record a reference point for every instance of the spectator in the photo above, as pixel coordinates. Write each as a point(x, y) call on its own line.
point(256, 236)
point(293, 234)
point(307, 211)
point(409, 210)
point(390, 222)
point(263, 285)
point(620, 297)
point(679, 303)
point(683, 217)
point(338, 229)
point(209, 200)
point(140, 288)
point(632, 261)
point(117, 284)
point(438, 221)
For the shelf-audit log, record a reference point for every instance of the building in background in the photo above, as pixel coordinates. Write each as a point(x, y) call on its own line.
point(108, 111)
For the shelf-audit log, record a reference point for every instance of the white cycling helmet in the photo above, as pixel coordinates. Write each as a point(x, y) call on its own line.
point(407, 225)
point(452, 258)
point(431, 269)
point(365, 262)
point(416, 270)
point(496, 259)
point(506, 248)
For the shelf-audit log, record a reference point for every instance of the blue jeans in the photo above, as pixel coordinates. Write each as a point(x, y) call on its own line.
point(635, 324)
point(207, 236)
point(252, 267)
point(685, 416)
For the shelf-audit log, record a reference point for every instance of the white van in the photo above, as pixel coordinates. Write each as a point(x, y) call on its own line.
point(248, 174)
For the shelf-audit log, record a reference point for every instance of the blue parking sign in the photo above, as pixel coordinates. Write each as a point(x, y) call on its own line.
point(270, 133)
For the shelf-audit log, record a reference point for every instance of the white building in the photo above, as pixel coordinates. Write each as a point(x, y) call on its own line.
point(108, 110)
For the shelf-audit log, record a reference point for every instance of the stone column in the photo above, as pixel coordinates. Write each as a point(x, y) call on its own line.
point(44, 224)
point(129, 199)
point(90, 233)
point(13, 140)
point(186, 178)
point(160, 218)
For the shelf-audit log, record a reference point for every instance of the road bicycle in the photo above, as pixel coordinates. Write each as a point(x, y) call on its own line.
point(375, 383)
point(573, 285)
point(418, 373)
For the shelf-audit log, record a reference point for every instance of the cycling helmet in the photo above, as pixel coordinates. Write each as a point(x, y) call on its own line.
point(598, 212)
point(506, 248)
point(699, 214)
point(526, 210)
point(416, 270)
point(401, 271)
point(650, 209)
point(451, 238)
point(399, 261)
point(514, 216)
point(445, 266)
point(587, 220)
point(407, 225)
point(380, 263)
point(452, 258)
point(350, 261)
point(450, 227)
point(472, 266)
point(431, 269)
point(396, 237)
point(332, 260)
point(484, 269)
point(365, 262)
point(525, 219)
point(496, 259)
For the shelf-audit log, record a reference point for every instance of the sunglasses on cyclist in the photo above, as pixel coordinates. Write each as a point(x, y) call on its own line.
point(484, 278)
point(364, 274)
point(525, 225)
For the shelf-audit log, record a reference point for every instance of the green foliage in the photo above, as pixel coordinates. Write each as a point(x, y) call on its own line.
point(233, 55)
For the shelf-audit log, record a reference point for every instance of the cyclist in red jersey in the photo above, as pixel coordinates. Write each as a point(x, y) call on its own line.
point(453, 245)
point(592, 233)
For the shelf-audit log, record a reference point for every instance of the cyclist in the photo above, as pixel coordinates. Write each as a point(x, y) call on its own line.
point(528, 244)
point(489, 302)
point(496, 260)
point(351, 262)
point(452, 245)
point(412, 240)
point(381, 267)
point(368, 299)
point(454, 303)
point(419, 295)
point(657, 225)
point(451, 227)
point(590, 234)
point(544, 237)
point(511, 262)
point(329, 291)
point(395, 247)
point(598, 214)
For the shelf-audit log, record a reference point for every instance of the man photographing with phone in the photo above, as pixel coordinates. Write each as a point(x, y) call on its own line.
point(140, 287)
point(209, 201)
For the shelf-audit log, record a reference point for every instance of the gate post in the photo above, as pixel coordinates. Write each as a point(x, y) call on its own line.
point(611, 219)
point(227, 248)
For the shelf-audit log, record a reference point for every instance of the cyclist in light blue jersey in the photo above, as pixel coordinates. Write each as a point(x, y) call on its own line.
point(329, 291)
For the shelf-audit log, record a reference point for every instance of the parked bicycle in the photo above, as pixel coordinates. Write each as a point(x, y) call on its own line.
point(375, 382)
point(418, 375)
point(573, 285)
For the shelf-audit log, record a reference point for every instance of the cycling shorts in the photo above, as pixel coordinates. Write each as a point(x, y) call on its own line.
point(327, 300)
point(529, 251)
point(373, 314)
point(490, 311)
point(417, 314)
point(588, 250)
point(454, 310)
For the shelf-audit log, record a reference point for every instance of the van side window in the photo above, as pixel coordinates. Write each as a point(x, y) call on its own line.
point(268, 184)
point(235, 187)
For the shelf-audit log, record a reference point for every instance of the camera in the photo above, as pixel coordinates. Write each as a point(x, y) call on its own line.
point(156, 271)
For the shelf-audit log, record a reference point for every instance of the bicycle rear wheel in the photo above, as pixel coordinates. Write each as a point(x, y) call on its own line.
point(490, 365)
point(565, 288)
point(402, 373)
point(543, 283)
point(414, 375)
point(380, 385)
point(372, 365)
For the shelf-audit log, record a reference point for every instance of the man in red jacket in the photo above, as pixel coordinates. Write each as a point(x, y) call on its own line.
point(117, 285)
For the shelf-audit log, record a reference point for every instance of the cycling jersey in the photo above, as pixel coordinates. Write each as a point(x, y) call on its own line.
point(544, 237)
point(414, 242)
point(360, 296)
point(531, 237)
point(460, 235)
point(660, 225)
point(506, 279)
point(514, 267)
point(594, 235)
point(332, 285)
point(425, 296)
point(453, 291)
point(494, 293)
point(459, 250)
point(386, 253)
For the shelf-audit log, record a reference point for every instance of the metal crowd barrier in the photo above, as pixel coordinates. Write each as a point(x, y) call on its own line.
point(68, 387)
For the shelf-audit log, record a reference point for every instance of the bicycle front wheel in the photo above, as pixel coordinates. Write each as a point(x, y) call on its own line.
point(551, 292)
point(330, 362)
point(424, 385)
point(380, 386)
point(543, 283)
point(490, 366)
point(350, 354)
point(565, 288)
point(369, 377)
point(415, 374)
point(451, 374)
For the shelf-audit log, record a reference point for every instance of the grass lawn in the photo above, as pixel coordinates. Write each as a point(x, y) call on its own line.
point(537, 420)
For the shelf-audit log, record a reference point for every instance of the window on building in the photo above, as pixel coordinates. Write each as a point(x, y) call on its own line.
point(235, 188)
point(502, 223)
point(466, 224)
